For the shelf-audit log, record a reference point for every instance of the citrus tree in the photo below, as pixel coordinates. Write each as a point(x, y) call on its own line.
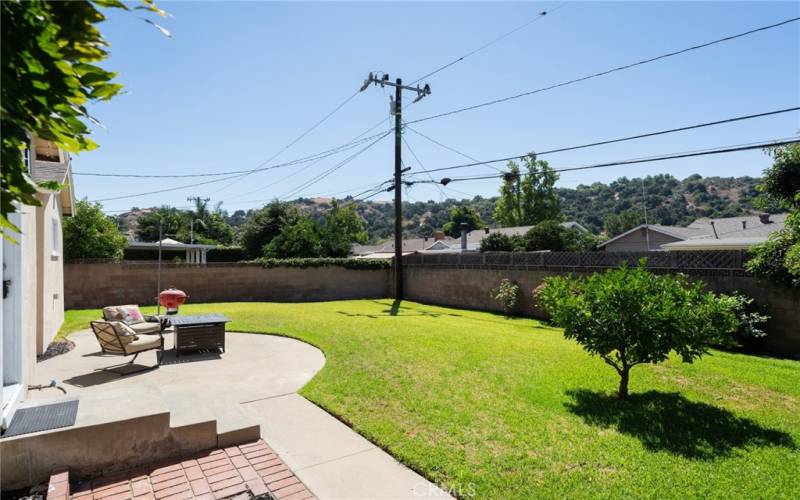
point(630, 316)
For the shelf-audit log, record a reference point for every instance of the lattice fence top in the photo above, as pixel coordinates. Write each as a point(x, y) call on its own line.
point(688, 260)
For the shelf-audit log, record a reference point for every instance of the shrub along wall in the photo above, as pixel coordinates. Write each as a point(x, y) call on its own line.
point(466, 280)
point(97, 284)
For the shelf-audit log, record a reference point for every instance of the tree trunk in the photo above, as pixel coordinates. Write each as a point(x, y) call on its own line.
point(623, 382)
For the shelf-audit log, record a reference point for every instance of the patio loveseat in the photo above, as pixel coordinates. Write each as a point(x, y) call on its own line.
point(133, 317)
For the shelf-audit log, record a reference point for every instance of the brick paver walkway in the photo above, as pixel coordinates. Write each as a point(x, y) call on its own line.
point(236, 472)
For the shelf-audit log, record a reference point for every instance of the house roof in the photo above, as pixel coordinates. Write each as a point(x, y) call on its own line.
point(46, 171)
point(731, 227)
point(479, 234)
point(726, 228)
point(381, 255)
point(167, 243)
point(715, 244)
point(451, 244)
point(681, 233)
point(409, 245)
point(60, 172)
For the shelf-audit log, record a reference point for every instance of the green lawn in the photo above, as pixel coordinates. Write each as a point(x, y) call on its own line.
point(496, 407)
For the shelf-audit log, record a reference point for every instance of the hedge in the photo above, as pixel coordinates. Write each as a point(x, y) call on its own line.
point(347, 263)
point(219, 254)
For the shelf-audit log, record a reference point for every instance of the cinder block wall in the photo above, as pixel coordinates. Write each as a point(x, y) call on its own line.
point(88, 285)
point(467, 280)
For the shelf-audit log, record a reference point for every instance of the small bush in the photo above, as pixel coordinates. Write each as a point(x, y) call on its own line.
point(497, 242)
point(507, 293)
point(347, 263)
point(751, 320)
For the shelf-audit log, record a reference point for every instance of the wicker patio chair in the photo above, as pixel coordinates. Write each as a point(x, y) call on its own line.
point(119, 339)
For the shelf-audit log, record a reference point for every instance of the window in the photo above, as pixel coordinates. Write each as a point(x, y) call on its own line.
point(56, 236)
point(47, 151)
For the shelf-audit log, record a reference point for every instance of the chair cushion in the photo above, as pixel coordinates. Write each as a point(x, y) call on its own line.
point(109, 338)
point(122, 329)
point(145, 328)
point(130, 314)
point(144, 343)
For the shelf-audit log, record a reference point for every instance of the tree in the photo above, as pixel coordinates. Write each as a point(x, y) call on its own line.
point(342, 228)
point(49, 53)
point(215, 230)
point(547, 235)
point(778, 259)
point(551, 235)
point(210, 226)
point(530, 197)
point(462, 214)
point(497, 242)
point(90, 234)
point(265, 224)
point(301, 239)
point(174, 224)
point(630, 316)
point(617, 223)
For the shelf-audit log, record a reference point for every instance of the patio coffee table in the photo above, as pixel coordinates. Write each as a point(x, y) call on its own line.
point(204, 331)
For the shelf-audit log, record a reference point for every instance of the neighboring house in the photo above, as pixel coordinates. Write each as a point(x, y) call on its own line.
point(736, 232)
point(196, 253)
point(409, 246)
point(441, 243)
point(33, 273)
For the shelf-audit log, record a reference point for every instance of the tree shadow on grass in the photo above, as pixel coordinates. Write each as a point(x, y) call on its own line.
point(669, 422)
point(395, 309)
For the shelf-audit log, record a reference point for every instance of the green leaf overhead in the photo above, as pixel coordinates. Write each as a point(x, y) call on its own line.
point(50, 52)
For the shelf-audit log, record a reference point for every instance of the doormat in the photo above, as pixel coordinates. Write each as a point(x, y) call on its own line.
point(43, 418)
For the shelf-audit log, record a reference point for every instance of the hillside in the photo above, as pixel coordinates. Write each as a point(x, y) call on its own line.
point(669, 201)
point(610, 208)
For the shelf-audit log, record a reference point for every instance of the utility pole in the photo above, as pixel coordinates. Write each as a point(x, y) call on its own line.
point(398, 190)
point(196, 199)
point(396, 109)
point(158, 282)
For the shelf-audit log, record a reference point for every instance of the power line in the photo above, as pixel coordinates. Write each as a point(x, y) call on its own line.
point(408, 146)
point(305, 159)
point(488, 44)
point(352, 141)
point(308, 131)
point(673, 156)
point(612, 141)
point(449, 148)
point(165, 190)
point(609, 71)
point(185, 186)
point(334, 168)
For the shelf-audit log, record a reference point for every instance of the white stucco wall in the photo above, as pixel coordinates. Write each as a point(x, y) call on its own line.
point(50, 254)
point(29, 290)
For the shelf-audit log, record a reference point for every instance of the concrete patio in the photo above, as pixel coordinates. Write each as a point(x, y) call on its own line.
point(250, 387)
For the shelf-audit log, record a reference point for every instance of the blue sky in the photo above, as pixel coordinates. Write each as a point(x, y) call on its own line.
point(241, 80)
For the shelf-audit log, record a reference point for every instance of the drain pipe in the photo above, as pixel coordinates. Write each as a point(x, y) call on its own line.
point(716, 236)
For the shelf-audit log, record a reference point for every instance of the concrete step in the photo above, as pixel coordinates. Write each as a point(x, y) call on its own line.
point(113, 431)
point(234, 426)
